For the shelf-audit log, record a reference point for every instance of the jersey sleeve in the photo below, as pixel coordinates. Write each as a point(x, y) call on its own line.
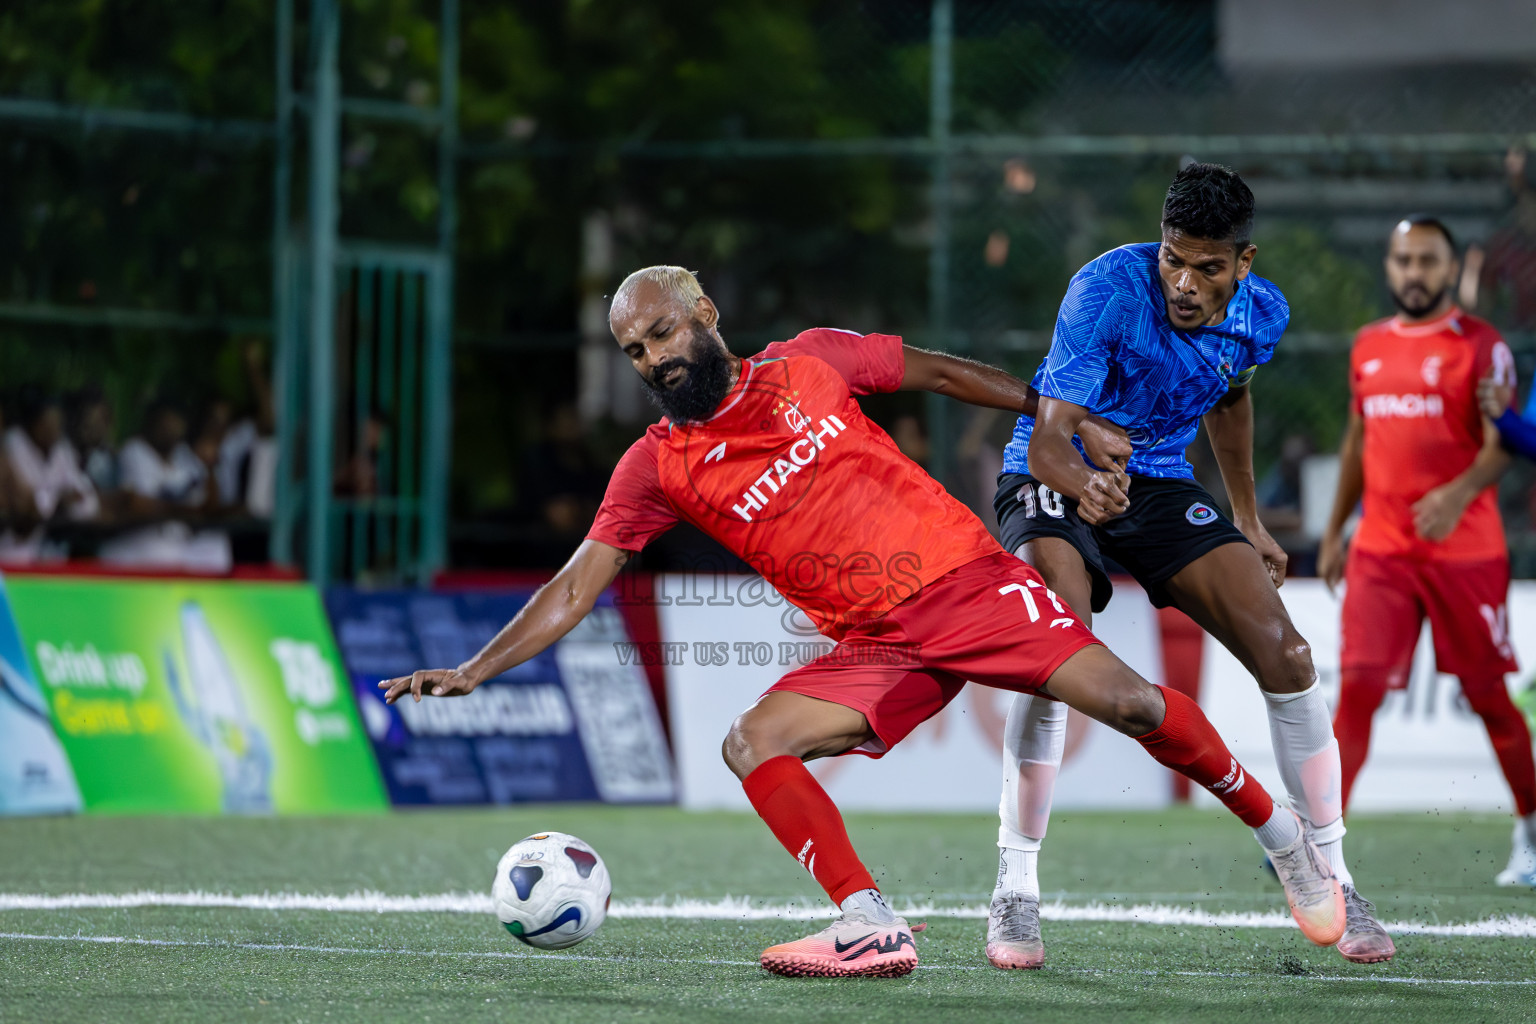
point(1077, 364)
point(870, 363)
point(1354, 375)
point(1517, 433)
point(635, 510)
point(1493, 356)
point(1271, 316)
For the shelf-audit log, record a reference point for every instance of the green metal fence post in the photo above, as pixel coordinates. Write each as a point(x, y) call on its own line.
point(324, 123)
point(438, 426)
point(388, 401)
point(411, 393)
point(284, 337)
point(941, 82)
point(365, 508)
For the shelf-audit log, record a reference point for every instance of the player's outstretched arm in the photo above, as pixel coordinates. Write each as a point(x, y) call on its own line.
point(1230, 426)
point(552, 612)
point(1054, 461)
point(1330, 554)
point(979, 384)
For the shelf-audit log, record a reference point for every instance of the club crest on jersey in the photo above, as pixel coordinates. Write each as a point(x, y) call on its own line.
point(1200, 513)
point(1430, 371)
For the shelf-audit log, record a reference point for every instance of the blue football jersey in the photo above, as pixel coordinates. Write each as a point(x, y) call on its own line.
point(1115, 353)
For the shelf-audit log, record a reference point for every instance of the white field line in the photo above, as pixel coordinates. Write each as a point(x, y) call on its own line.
point(283, 947)
point(729, 908)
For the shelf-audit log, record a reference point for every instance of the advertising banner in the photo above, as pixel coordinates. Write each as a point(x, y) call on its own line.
point(577, 722)
point(35, 777)
point(726, 639)
point(200, 696)
point(1428, 749)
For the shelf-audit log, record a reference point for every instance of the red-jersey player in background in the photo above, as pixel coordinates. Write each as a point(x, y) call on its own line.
point(772, 457)
point(1430, 542)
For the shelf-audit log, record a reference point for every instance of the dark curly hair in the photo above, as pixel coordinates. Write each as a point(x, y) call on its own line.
point(1210, 201)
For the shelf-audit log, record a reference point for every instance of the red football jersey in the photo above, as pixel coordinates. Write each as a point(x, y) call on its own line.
point(791, 476)
point(1415, 385)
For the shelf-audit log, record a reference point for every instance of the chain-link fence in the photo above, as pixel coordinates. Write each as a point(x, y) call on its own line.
point(935, 168)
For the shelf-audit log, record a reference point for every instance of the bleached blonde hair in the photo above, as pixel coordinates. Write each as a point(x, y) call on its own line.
point(677, 282)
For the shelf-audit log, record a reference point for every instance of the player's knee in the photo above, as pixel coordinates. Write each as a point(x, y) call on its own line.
point(1488, 698)
point(1138, 711)
point(1292, 670)
point(752, 740)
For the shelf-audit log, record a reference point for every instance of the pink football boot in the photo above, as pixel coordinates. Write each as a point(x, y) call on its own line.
point(850, 947)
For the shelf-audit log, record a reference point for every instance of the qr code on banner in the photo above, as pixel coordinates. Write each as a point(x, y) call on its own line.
point(616, 716)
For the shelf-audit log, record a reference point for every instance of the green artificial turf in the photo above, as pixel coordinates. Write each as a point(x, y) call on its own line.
point(215, 964)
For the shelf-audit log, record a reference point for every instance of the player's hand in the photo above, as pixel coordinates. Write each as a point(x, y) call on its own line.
point(1330, 560)
point(1104, 497)
point(1104, 442)
point(1436, 514)
point(1493, 397)
point(436, 682)
point(1274, 556)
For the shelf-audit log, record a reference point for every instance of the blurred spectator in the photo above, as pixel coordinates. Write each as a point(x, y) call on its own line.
point(978, 461)
point(19, 520)
point(163, 479)
point(89, 417)
point(45, 461)
point(245, 464)
point(1279, 493)
point(562, 483)
point(1508, 263)
point(358, 476)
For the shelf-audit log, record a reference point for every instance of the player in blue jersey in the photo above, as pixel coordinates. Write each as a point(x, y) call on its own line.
point(1517, 432)
point(1157, 338)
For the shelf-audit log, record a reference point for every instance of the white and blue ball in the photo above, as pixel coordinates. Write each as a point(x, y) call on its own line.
point(551, 890)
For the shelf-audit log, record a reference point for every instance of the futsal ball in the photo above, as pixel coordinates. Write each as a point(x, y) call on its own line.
point(551, 890)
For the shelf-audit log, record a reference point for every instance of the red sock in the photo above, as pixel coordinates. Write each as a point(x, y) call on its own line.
point(1360, 694)
point(808, 823)
point(1188, 744)
point(1511, 739)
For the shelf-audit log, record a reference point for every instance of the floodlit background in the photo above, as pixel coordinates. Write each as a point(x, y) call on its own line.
point(406, 223)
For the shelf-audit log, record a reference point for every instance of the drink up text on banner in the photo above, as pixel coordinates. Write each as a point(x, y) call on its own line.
point(179, 695)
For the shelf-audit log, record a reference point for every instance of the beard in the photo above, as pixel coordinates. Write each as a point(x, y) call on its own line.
point(1417, 308)
point(706, 380)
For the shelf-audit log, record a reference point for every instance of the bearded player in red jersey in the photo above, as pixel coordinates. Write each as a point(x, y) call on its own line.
point(773, 458)
point(1430, 542)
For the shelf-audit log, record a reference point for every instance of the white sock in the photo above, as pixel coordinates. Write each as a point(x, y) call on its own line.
point(1016, 873)
point(1302, 735)
point(1334, 851)
point(1033, 739)
point(1279, 832)
point(871, 904)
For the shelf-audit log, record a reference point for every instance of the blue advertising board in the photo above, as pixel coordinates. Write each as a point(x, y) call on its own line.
point(577, 722)
point(35, 777)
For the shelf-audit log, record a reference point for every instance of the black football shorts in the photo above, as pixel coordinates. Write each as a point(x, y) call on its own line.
point(1170, 523)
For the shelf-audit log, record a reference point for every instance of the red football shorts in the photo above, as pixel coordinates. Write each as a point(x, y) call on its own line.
point(991, 621)
point(1387, 598)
